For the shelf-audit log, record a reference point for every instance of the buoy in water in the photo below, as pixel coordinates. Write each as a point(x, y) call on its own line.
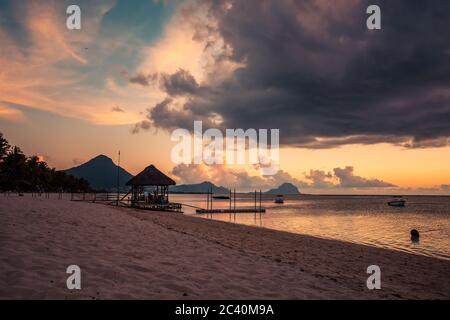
point(415, 235)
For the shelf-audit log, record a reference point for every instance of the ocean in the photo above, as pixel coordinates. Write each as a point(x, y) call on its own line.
point(364, 220)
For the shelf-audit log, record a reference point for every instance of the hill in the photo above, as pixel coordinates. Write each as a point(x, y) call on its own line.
point(199, 188)
point(101, 173)
point(285, 188)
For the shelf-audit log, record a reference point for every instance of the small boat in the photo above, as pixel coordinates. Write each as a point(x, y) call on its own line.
point(279, 199)
point(397, 202)
point(221, 197)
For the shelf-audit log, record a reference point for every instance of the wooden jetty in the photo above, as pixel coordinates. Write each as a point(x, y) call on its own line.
point(238, 210)
point(157, 197)
point(149, 190)
point(232, 209)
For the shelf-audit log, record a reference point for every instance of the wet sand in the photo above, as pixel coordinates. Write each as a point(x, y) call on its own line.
point(130, 254)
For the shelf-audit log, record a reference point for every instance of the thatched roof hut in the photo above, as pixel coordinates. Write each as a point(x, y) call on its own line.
point(151, 176)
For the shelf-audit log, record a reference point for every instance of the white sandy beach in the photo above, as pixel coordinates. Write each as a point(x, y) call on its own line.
point(130, 254)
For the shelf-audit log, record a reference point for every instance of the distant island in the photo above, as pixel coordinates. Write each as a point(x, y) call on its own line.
point(285, 189)
point(203, 187)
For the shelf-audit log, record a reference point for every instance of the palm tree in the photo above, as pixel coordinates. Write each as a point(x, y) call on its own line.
point(19, 173)
point(4, 147)
point(14, 171)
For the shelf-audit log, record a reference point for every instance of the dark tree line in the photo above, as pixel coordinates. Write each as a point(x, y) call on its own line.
point(20, 173)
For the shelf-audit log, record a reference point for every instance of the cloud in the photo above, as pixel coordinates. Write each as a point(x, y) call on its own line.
point(143, 125)
point(10, 113)
point(117, 109)
point(242, 178)
point(319, 179)
point(229, 177)
point(72, 73)
point(341, 178)
point(347, 179)
point(179, 83)
point(190, 173)
point(313, 70)
point(140, 79)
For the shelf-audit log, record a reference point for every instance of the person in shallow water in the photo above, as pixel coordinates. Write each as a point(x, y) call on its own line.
point(415, 235)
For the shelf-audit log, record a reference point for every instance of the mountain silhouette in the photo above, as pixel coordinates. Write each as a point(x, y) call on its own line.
point(285, 188)
point(101, 173)
point(199, 188)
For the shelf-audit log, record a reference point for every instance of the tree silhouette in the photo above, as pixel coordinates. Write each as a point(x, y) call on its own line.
point(30, 174)
point(4, 147)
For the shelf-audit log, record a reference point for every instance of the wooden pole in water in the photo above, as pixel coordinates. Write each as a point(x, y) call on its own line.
point(260, 207)
point(118, 179)
point(255, 204)
point(260, 200)
point(211, 202)
point(230, 204)
point(234, 204)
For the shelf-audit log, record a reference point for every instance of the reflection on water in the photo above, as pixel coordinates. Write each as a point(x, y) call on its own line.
point(360, 219)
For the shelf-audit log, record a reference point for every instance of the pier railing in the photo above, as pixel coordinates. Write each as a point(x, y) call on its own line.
point(124, 200)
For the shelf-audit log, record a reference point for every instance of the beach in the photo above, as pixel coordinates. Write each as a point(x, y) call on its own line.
point(125, 253)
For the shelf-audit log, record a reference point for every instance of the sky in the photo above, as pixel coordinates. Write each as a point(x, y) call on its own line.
point(359, 111)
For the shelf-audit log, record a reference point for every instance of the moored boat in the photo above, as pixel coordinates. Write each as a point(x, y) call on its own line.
point(397, 202)
point(279, 199)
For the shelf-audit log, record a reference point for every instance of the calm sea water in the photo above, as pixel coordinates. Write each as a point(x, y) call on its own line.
point(360, 219)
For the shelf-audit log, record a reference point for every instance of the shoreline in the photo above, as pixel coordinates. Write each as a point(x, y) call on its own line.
point(131, 254)
point(399, 250)
point(394, 250)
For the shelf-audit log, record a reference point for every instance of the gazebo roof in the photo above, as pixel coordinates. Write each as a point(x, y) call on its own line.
point(151, 176)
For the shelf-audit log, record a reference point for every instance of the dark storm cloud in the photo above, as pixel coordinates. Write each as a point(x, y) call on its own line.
point(141, 79)
point(143, 125)
point(163, 115)
point(179, 83)
point(313, 70)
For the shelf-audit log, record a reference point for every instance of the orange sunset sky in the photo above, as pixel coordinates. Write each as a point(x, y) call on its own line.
point(359, 111)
